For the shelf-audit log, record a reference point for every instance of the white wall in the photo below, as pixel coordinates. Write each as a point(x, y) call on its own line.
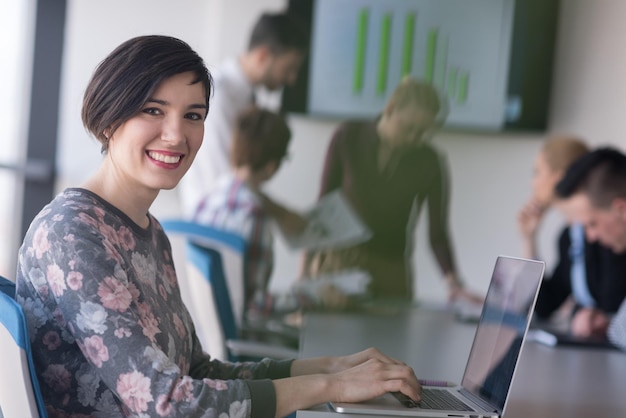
point(490, 173)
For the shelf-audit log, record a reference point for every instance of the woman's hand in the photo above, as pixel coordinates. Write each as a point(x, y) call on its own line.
point(530, 217)
point(353, 378)
point(373, 378)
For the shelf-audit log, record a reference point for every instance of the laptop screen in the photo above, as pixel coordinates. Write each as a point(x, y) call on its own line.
point(500, 332)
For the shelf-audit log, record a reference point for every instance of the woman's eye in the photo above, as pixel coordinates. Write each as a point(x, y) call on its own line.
point(195, 116)
point(152, 111)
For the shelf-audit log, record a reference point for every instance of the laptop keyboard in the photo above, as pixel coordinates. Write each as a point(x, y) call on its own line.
point(433, 399)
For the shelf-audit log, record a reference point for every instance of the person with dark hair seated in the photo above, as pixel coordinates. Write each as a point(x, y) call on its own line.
point(587, 273)
point(593, 193)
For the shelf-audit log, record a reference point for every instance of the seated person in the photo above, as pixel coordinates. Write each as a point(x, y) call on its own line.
point(110, 334)
point(586, 272)
point(387, 170)
point(236, 204)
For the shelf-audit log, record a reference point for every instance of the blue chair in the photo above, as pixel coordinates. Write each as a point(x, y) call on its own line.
point(210, 295)
point(20, 395)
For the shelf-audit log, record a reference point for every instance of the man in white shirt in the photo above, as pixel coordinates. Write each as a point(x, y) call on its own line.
point(275, 53)
point(593, 193)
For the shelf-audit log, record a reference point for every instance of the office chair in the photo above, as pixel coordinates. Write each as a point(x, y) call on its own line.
point(20, 395)
point(210, 298)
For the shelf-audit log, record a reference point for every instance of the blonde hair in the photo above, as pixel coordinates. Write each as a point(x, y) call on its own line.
point(560, 151)
point(421, 93)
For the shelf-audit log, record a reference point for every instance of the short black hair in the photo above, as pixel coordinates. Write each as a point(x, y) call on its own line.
point(600, 174)
point(279, 32)
point(128, 76)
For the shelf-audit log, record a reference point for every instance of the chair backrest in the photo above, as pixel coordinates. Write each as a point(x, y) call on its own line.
point(20, 395)
point(232, 249)
point(206, 291)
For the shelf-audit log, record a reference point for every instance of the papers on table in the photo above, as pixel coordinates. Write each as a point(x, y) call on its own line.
point(348, 282)
point(332, 224)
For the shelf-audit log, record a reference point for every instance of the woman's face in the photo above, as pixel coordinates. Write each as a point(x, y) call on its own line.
point(544, 180)
point(154, 148)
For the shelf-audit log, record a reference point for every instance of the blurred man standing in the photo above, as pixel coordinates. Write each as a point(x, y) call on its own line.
point(274, 56)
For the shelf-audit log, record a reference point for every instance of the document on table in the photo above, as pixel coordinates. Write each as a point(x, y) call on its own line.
point(349, 282)
point(332, 223)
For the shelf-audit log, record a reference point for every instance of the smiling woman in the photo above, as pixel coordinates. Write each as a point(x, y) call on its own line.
point(110, 333)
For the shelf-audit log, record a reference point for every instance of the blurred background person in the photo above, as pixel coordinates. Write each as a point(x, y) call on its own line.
point(587, 274)
point(237, 204)
point(276, 49)
point(387, 169)
point(593, 193)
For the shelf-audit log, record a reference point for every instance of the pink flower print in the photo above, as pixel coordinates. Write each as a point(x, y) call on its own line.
point(52, 340)
point(163, 292)
point(75, 280)
point(112, 250)
point(179, 326)
point(58, 317)
point(57, 378)
point(44, 291)
point(58, 217)
point(183, 390)
point(166, 256)
point(215, 384)
point(122, 332)
point(40, 241)
point(100, 213)
point(163, 406)
point(55, 278)
point(109, 233)
point(134, 292)
point(126, 238)
point(134, 389)
point(148, 322)
point(84, 218)
point(95, 350)
point(114, 295)
point(170, 275)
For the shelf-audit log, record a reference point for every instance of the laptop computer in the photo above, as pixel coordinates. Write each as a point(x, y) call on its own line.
point(498, 341)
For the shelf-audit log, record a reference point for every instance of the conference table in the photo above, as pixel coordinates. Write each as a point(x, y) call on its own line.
point(549, 382)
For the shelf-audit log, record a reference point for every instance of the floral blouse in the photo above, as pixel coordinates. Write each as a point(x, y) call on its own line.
point(110, 334)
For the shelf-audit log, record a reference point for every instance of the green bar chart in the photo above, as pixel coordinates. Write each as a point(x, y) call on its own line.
point(362, 49)
point(407, 44)
point(359, 59)
point(435, 57)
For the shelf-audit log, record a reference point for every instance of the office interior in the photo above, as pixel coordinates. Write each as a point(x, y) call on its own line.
point(490, 171)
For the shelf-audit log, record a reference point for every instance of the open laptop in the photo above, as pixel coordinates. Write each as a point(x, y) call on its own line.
point(495, 352)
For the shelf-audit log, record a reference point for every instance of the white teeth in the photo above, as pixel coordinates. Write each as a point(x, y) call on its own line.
point(169, 159)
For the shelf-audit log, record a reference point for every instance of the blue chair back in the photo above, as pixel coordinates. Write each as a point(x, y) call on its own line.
point(209, 261)
point(24, 389)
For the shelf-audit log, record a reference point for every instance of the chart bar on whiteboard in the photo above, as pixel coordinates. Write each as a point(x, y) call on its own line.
point(442, 63)
point(431, 54)
point(383, 54)
point(451, 86)
point(407, 43)
point(361, 45)
point(463, 87)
